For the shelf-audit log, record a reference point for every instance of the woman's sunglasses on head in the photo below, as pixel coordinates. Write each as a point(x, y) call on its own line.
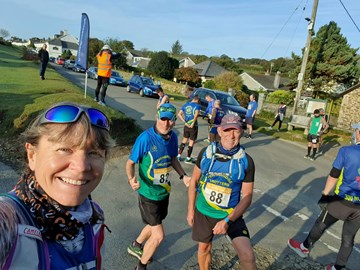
point(68, 113)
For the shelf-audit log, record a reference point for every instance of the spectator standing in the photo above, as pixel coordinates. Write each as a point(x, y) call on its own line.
point(44, 59)
point(317, 126)
point(208, 113)
point(322, 114)
point(223, 173)
point(189, 113)
point(344, 179)
point(163, 98)
point(215, 120)
point(279, 117)
point(49, 221)
point(156, 152)
point(104, 59)
point(250, 115)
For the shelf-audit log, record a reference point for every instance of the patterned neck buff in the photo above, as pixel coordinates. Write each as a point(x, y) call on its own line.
point(54, 221)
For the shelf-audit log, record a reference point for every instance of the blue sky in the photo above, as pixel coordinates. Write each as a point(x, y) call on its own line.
point(237, 28)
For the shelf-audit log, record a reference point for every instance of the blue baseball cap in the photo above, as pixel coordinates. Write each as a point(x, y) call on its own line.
point(168, 111)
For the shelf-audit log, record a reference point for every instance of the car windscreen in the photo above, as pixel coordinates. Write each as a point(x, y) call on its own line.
point(115, 74)
point(227, 99)
point(148, 81)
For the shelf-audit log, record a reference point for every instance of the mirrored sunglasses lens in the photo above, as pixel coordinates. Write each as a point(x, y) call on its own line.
point(62, 114)
point(98, 118)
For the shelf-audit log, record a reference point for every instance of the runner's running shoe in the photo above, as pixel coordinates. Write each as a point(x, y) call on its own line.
point(330, 267)
point(188, 160)
point(135, 251)
point(299, 249)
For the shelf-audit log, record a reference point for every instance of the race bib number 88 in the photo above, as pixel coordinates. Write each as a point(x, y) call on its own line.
point(161, 176)
point(217, 195)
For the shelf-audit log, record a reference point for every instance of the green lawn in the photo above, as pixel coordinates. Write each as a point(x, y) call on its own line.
point(23, 95)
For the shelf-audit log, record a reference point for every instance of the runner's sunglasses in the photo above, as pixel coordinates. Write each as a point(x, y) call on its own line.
point(166, 109)
point(68, 113)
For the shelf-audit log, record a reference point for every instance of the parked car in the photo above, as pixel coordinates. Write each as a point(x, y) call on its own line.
point(69, 64)
point(142, 85)
point(92, 73)
point(228, 103)
point(78, 68)
point(60, 61)
point(117, 79)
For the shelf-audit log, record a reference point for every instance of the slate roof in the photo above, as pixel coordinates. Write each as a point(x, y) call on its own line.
point(209, 69)
point(136, 53)
point(267, 81)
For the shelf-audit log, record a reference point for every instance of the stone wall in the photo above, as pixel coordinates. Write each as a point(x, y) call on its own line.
point(350, 110)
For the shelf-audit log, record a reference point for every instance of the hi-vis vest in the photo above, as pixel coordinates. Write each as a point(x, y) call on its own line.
point(32, 252)
point(104, 64)
point(221, 182)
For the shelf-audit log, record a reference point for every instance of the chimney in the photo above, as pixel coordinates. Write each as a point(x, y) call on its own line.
point(277, 80)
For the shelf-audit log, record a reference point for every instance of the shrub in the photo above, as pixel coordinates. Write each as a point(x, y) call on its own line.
point(279, 96)
point(242, 98)
point(209, 84)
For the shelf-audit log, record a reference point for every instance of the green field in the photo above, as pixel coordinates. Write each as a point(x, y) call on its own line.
point(23, 95)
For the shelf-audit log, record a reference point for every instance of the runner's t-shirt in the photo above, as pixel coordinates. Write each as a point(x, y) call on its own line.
point(154, 155)
point(189, 110)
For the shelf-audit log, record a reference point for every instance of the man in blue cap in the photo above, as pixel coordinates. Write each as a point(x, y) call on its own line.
point(344, 182)
point(156, 152)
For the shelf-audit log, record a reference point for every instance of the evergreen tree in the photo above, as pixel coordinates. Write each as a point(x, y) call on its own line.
point(332, 63)
point(162, 65)
point(176, 48)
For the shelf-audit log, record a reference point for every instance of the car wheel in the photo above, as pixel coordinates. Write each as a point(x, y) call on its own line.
point(141, 93)
point(128, 88)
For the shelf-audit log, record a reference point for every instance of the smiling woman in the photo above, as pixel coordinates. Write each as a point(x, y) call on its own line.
point(50, 207)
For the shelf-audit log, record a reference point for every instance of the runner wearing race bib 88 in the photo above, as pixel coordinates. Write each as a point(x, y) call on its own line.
point(156, 152)
point(224, 179)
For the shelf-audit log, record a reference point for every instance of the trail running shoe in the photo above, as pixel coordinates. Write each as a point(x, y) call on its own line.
point(296, 246)
point(188, 160)
point(329, 267)
point(307, 157)
point(135, 251)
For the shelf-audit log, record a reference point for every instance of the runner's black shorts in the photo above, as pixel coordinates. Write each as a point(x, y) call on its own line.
point(313, 138)
point(202, 230)
point(153, 212)
point(249, 120)
point(191, 133)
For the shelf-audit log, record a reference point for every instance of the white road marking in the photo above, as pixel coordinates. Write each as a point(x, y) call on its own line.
point(303, 217)
point(274, 212)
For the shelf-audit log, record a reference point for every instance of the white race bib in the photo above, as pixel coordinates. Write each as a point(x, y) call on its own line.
point(162, 176)
point(217, 194)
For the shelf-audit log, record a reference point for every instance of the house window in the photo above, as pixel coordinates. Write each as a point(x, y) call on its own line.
point(55, 48)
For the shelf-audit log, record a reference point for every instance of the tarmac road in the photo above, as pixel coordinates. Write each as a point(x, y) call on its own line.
point(287, 188)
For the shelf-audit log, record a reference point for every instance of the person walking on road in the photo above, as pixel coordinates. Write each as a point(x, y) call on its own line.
point(250, 116)
point(322, 114)
point(104, 59)
point(163, 98)
point(49, 221)
point(317, 126)
point(220, 191)
point(44, 59)
point(189, 113)
point(344, 179)
point(217, 115)
point(156, 152)
point(279, 116)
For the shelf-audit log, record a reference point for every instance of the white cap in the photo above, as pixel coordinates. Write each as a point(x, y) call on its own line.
point(106, 47)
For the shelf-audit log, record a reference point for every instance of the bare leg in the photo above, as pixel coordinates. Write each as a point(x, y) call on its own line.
point(156, 236)
point(245, 252)
point(204, 255)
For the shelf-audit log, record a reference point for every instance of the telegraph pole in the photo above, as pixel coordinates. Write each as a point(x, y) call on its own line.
point(301, 75)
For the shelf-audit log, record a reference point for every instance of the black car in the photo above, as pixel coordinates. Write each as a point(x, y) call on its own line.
point(228, 103)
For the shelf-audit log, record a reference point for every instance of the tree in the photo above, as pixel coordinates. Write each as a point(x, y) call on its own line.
point(176, 48)
point(95, 46)
point(188, 75)
point(162, 65)
point(66, 54)
point(4, 33)
point(117, 46)
point(128, 44)
point(227, 80)
point(332, 63)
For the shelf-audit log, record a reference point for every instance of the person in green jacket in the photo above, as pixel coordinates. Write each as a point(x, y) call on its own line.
point(317, 126)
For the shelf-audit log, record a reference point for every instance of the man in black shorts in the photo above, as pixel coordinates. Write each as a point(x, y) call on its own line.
point(189, 114)
point(155, 150)
point(217, 209)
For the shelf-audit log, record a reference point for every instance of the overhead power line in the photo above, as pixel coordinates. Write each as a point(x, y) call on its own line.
point(349, 15)
point(282, 28)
